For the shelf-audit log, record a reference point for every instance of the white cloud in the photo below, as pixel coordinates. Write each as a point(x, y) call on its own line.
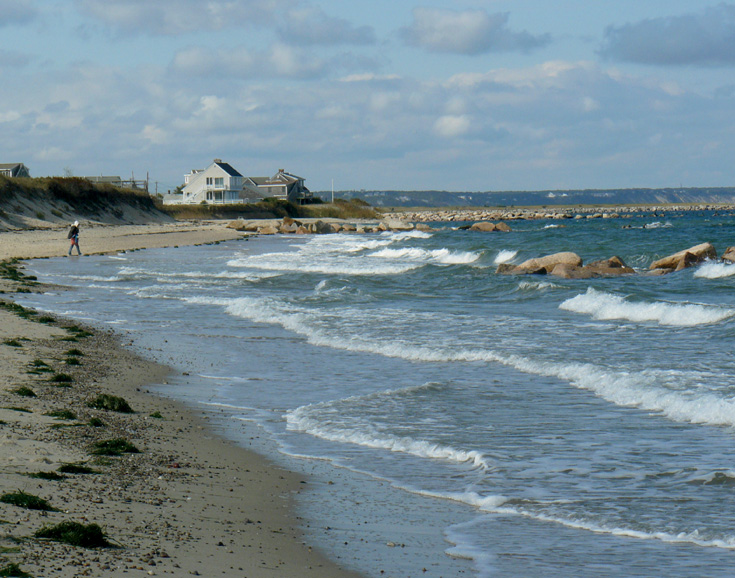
point(452, 126)
point(244, 63)
point(469, 32)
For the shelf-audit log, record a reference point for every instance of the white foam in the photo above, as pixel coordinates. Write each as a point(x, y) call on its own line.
point(313, 420)
point(606, 306)
point(711, 270)
point(505, 256)
point(650, 390)
point(443, 256)
point(536, 285)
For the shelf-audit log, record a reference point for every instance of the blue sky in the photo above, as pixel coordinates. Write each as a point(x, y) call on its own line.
point(460, 95)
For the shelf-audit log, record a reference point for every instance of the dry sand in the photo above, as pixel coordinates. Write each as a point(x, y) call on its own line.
point(190, 503)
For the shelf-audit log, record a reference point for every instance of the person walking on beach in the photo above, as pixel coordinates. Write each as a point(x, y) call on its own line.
point(74, 237)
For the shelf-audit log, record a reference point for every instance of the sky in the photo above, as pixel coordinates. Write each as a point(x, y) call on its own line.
point(456, 95)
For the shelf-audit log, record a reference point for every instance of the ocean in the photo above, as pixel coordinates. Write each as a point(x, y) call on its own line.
point(456, 422)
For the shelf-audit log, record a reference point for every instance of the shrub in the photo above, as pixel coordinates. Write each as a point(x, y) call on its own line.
point(13, 343)
point(28, 501)
point(157, 415)
point(24, 391)
point(75, 534)
point(114, 447)
point(110, 403)
point(74, 353)
point(46, 319)
point(96, 422)
point(40, 215)
point(72, 361)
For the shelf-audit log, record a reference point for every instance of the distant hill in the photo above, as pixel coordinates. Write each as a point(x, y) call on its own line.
point(541, 198)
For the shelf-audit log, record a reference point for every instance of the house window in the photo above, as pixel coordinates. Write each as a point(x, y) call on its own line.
point(209, 181)
point(209, 195)
point(219, 182)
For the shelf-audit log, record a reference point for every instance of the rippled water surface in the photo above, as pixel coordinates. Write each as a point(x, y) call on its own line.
point(481, 424)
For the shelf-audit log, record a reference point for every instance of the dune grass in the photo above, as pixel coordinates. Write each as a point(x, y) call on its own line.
point(75, 534)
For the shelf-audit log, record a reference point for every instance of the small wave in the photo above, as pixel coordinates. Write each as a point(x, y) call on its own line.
point(328, 420)
point(725, 479)
point(715, 270)
point(536, 285)
point(606, 306)
point(505, 256)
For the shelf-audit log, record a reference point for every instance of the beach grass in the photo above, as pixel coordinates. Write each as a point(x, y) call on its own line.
point(113, 447)
point(61, 414)
point(28, 501)
point(75, 534)
point(76, 469)
point(61, 378)
point(52, 476)
point(110, 403)
point(14, 571)
point(24, 391)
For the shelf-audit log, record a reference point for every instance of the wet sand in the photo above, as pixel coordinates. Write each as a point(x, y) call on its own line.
point(190, 503)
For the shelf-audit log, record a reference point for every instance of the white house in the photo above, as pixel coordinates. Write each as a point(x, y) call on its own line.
point(218, 183)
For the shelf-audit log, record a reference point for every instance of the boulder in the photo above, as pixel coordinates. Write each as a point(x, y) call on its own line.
point(502, 227)
point(301, 230)
point(729, 255)
point(483, 226)
point(548, 262)
point(247, 226)
point(604, 268)
point(686, 258)
point(395, 225)
point(290, 228)
point(566, 271)
point(267, 230)
point(321, 228)
point(423, 227)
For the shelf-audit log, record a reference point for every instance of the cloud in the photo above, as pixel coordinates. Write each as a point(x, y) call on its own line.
point(311, 26)
point(9, 58)
point(703, 39)
point(280, 61)
point(452, 126)
point(172, 17)
point(470, 32)
point(13, 12)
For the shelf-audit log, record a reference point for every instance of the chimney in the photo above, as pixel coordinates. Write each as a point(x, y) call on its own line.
point(218, 160)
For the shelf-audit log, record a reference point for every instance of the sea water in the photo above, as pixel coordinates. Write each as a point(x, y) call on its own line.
point(457, 421)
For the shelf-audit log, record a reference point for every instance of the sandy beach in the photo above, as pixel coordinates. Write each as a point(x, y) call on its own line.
point(190, 503)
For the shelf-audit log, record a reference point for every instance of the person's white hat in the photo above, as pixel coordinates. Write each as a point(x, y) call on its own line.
point(76, 223)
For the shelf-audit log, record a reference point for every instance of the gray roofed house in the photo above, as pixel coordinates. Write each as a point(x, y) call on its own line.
point(14, 170)
point(282, 185)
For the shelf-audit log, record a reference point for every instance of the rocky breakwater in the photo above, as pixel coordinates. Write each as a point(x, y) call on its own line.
point(569, 265)
point(560, 212)
point(289, 226)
